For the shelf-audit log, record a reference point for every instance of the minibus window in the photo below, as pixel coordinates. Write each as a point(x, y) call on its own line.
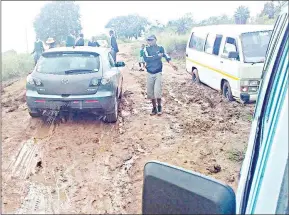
point(197, 42)
point(213, 44)
point(254, 46)
point(230, 46)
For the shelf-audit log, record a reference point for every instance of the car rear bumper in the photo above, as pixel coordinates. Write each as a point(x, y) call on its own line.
point(246, 97)
point(102, 102)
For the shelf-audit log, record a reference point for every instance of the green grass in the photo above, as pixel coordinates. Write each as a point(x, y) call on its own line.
point(236, 155)
point(16, 65)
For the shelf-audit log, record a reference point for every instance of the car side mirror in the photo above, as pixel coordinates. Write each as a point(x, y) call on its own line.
point(119, 64)
point(172, 190)
point(233, 55)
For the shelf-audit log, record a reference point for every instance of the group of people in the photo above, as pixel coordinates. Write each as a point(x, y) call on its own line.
point(71, 41)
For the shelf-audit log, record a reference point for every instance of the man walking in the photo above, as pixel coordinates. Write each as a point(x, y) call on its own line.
point(113, 44)
point(153, 57)
point(70, 40)
point(38, 50)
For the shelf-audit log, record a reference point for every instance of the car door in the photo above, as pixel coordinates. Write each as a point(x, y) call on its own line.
point(230, 67)
point(262, 174)
point(213, 70)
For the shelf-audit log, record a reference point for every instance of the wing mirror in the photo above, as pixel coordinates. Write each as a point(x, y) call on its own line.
point(119, 64)
point(171, 190)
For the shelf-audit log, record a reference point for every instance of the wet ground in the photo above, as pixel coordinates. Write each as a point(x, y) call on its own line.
point(86, 166)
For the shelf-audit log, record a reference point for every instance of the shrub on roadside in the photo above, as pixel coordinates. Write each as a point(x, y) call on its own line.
point(16, 65)
point(174, 44)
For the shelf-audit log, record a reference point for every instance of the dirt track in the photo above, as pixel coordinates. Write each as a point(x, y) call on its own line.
point(86, 166)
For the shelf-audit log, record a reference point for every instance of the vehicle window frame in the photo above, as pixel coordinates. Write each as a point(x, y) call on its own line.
point(260, 128)
point(191, 39)
point(216, 36)
point(237, 49)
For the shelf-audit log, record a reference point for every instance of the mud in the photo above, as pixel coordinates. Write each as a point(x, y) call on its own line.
point(82, 165)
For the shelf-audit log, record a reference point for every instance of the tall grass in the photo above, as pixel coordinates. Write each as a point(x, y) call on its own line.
point(174, 44)
point(16, 65)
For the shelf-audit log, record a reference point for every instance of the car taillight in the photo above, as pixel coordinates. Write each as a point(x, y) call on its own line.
point(105, 80)
point(94, 82)
point(244, 89)
point(37, 82)
point(30, 80)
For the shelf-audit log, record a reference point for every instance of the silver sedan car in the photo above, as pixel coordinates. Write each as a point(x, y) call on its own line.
point(76, 79)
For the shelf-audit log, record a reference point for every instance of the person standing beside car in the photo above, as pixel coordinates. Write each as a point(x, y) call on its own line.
point(153, 55)
point(113, 44)
point(70, 40)
point(38, 50)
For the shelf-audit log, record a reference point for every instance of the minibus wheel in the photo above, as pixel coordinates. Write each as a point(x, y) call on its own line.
point(195, 76)
point(227, 92)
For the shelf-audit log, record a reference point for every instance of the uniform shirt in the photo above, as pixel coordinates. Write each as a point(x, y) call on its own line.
point(93, 44)
point(153, 61)
point(80, 42)
point(113, 44)
point(38, 47)
point(70, 41)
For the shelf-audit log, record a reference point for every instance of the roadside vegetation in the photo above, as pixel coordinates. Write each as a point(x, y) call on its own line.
point(16, 64)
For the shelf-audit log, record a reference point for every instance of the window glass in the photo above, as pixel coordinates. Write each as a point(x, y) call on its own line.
point(197, 42)
point(62, 63)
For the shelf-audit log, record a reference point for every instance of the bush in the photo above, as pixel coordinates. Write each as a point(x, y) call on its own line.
point(174, 44)
point(16, 65)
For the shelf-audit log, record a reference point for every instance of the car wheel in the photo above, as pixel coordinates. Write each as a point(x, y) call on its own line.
point(34, 114)
point(227, 92)
point(195, 76)
point(112, 118)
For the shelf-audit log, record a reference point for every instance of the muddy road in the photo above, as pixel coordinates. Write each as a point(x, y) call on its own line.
point(86, 166)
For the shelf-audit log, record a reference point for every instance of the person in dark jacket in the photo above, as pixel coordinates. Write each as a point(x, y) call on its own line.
point(113, 44)
point(93, 42)
point(70, 40)
point(153, 55)
point(38, 50)
point(80, 41)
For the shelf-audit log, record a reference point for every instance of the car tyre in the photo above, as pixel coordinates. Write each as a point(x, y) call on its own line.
point(227, 92)
point(112, 118)
point(195, 76)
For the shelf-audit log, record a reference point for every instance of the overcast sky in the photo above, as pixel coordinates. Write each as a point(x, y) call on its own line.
point(17, 16)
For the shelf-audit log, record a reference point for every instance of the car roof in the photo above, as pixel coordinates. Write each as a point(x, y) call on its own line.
point(235, 30)
point(98, 50)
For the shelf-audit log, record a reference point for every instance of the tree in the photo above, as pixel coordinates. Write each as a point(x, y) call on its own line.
point(128, 26)
point(269, 10)
point(57, 19)
point(217, 20)
point(242, 14)
point(183, 24)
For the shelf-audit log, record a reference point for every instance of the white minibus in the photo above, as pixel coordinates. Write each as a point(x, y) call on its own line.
point(229, 58)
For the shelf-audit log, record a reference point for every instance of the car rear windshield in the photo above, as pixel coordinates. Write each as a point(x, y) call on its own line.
point(68, 63)
point(255, 45)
